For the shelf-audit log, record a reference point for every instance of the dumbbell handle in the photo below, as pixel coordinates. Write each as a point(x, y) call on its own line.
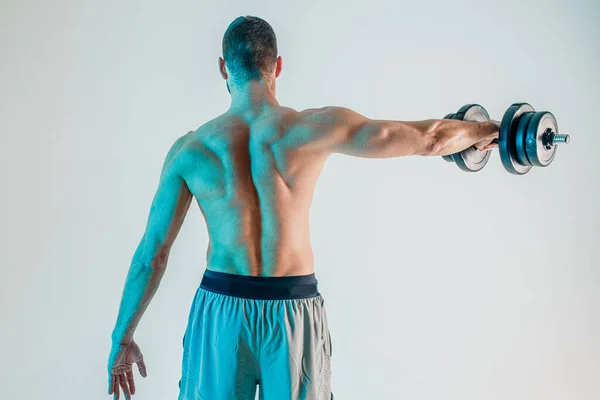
point(554, 139)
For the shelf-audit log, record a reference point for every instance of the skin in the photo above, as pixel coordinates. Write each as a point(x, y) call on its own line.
point(252, 172)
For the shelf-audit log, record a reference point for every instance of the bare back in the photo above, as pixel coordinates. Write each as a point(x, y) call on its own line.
point(253, 176)
point(253, 179)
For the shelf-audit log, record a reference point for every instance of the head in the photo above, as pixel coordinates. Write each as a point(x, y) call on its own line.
point(249, 52)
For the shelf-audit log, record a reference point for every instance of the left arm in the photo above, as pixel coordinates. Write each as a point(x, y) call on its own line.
point(169, 207)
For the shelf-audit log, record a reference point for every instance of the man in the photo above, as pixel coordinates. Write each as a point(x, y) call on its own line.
point(257, 318)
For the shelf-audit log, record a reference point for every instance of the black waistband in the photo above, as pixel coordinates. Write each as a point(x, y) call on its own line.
point(258, 287)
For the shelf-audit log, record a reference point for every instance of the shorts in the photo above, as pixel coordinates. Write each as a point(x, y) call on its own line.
point(246, 332)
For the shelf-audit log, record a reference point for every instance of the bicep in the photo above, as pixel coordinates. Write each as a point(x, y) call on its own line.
point(169, 206)
point(168, 209)
point(385, 138)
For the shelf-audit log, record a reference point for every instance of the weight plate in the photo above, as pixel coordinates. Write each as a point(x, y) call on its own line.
point(539, 151)
point(506, 140)
point(454, 157)
point(448, 157)
point(520, 138)
point(471, 159)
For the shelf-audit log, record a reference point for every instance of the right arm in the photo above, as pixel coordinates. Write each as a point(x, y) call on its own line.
point(348, 132)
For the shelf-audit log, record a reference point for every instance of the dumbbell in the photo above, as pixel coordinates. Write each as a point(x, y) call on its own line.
point(527, 138)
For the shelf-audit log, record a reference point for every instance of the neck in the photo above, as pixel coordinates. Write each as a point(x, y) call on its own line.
point(253, 95)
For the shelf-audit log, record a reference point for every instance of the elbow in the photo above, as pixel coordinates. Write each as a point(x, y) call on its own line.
point(371, 139)
point(155, 256)
point(160, 260)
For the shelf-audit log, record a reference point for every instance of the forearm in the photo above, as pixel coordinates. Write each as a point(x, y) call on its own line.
point(143, 279)
point(385, 138)
point(450, 136)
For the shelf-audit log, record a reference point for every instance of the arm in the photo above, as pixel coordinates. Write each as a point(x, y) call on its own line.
point(168, 210)
point(354, 134)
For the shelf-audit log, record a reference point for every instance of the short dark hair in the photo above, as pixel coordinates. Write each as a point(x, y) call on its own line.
point(249, 48)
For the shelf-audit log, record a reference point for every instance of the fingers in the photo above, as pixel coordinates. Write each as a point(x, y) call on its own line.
point(488, 147)
point(124, 386)
point(110, 384)
point(142, 367)
point(116, 387)
point(131, 382)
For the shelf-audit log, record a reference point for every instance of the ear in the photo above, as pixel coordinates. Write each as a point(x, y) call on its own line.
point(278, 66)
point(222, 68)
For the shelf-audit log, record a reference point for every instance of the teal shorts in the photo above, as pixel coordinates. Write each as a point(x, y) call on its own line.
point(247, 333)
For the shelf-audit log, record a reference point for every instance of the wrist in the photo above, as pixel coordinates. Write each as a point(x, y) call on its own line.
point(494, 128)
point(491, 130)
point(119, 340)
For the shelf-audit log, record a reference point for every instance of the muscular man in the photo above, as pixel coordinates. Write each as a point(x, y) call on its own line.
point(257, 318)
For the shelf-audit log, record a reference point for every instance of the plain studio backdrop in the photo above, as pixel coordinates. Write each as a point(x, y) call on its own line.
point(439, 284)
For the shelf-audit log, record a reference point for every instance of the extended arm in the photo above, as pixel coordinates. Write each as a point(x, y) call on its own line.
point(354, 134)
point(169, 207)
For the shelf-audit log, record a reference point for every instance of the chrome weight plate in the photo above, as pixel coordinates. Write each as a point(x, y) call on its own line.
point(540, 150)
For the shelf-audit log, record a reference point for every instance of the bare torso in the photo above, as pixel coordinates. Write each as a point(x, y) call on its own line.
point(253, 178)
point(253, 174)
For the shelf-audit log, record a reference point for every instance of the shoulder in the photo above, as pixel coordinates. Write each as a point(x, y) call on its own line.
point(329, 114)
point(201, 143)
point(179, 143)
point(196, 138)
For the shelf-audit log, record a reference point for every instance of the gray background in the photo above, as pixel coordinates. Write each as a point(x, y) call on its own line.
point(439, 284)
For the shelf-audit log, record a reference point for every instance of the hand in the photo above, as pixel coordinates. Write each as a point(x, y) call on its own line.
point(488, 143)
point(120, 371)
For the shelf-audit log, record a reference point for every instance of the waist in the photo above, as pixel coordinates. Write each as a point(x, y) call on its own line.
point(258, 287)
